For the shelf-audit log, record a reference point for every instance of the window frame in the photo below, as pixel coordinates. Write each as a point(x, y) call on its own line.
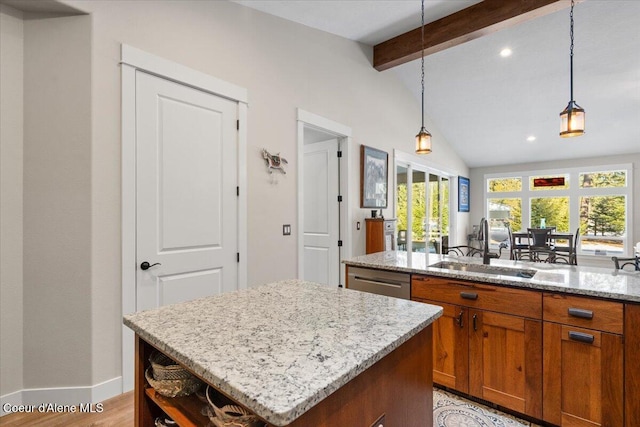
point(575, 193)
point(417, 163)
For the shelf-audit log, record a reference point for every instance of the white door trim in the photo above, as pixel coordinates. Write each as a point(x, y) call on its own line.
point(170, 70)
point(133, 60)
point(343, 133)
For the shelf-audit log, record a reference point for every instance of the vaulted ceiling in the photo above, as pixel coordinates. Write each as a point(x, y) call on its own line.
point(488, 106)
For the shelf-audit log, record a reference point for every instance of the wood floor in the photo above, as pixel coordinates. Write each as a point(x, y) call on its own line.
point(118, 412)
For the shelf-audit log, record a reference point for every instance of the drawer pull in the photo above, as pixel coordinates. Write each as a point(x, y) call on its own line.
point(469, 295)
point(579, 336)
point(581, 313)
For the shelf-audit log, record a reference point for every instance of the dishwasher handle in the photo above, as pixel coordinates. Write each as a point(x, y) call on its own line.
point(383, 282)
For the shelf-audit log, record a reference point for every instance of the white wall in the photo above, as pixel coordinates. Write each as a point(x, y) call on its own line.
point(11, 155)
point(284, 66)
point(477, 190)
point(57, 202)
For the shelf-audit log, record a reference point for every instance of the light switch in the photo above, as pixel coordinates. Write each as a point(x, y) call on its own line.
point(286, 230)
point(358, 225)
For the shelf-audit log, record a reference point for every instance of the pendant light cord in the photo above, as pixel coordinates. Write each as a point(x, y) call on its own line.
point(422, 45)
point(571, 49)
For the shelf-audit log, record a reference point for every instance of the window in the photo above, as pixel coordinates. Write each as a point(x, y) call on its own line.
point(500, 185)
point(549, 182)
point(550, 212)
point(422, 213)
point(597, 200)
point(503, 213)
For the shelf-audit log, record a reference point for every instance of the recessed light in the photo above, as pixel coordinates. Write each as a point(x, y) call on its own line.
point(505, 52)
point(531, 138)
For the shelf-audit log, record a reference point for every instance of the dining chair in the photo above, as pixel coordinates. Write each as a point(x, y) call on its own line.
point(623, 263)
point(569, 252)
point(540, 249)
point(539, 237)
point(517, 250)
point(576, 241)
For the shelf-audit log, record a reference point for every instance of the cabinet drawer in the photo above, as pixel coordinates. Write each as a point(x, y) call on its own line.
point(482, 296)
point(583, 312)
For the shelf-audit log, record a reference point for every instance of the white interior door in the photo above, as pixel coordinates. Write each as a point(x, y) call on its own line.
point(321, 213)
point(186, 180)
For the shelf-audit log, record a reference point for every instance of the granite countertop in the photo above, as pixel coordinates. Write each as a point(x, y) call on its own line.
point(281, 348)
point(579, 280)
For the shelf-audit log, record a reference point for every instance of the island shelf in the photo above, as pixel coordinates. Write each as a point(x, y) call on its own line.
point(186, 411)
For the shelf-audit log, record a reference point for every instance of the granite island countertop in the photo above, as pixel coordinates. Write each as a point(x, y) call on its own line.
point(280, 348)
point(571, 279)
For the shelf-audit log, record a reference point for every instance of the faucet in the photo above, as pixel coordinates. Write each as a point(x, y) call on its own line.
point(484, 234)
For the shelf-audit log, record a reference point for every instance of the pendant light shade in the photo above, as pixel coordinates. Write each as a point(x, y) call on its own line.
point(423, 142)
point(572, 121)
point(572, 117)
point(423, 138)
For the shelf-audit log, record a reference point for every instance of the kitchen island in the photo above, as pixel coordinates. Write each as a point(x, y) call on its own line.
point(297, 354)
point(558, 343)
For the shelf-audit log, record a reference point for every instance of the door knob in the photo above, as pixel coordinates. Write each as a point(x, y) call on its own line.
point(145, 265)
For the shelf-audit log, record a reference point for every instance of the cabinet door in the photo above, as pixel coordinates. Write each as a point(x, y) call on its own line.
point(505, 363)
point(451, 347)
point(583, 379)
point(631, 364)
point(374, 235)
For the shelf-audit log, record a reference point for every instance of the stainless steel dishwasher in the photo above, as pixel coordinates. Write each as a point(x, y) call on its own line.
point(391, 284)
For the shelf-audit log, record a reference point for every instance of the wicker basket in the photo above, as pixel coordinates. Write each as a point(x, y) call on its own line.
point(173, 388)
point(164, 368)
point(227, 414)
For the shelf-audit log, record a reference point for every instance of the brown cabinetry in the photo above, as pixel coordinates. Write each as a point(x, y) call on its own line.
point(485, 344)
point(505, 361)
point(583, 361)
point(631, 364)
point(397, 389)
point(451, 347)
point(380, 235)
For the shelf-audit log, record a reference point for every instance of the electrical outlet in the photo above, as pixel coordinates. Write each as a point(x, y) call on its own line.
point(286, 230)
point(358, 225)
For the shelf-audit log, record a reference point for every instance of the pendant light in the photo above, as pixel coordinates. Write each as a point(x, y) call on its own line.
point(423, 138)
point(572, 117)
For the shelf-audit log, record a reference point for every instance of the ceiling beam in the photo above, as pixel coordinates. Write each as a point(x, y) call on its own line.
point(468, 24)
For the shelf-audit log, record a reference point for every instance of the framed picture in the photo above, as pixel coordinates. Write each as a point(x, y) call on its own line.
point(373, 177)
point(463, 194)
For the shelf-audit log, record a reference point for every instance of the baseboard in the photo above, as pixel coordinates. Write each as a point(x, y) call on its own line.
point(106, 390)
point(63, 395)
point(14, 398)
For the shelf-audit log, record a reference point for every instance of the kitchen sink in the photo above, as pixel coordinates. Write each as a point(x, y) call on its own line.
point(485, 269)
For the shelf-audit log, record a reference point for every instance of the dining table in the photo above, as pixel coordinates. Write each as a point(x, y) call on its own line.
point(521, 238)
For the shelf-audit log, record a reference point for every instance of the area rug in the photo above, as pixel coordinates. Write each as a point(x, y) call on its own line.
point(452, 411)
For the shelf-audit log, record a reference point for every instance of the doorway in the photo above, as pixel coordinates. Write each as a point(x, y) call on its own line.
point(422, 208)
point(184, 201)
point(323, 193)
